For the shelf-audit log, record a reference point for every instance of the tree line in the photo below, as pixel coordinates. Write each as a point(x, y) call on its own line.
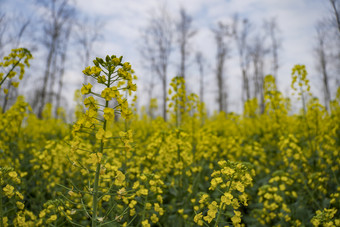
point(59, 29)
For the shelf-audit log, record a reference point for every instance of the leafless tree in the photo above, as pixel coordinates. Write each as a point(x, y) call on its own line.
point(87, 33)
point(11, 35)
point(59, 16)
point(158, 41)
point(273, 33)
point(336, 8)
point(335, 25)
point(3, 29)
point(241, 32)
point(146, 52)
point(200, 64)
point(60, 69)
point(185, 33)
point(222, 33)
point(322, 60)
point(258, 52)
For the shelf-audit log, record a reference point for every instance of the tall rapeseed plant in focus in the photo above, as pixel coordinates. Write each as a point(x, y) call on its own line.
point(113, 77)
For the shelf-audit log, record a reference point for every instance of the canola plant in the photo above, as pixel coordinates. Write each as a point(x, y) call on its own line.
point(268, 168)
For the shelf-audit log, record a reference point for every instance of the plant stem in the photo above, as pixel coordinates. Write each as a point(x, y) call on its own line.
point(1, 218)
point(95, 196)
point(96, 178)
point(13, 67)
point(219, 214)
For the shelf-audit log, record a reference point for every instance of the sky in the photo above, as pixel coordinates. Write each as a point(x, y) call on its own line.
point(124, 21)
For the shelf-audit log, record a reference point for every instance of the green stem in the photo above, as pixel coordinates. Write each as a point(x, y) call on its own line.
point(96, 178)
point(310, 193)
point(95, 196)
point(14, 65)
point(1, 218)
point(219, 215)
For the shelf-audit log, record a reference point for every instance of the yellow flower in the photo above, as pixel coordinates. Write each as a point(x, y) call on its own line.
point(203, 198)
point(42, 214)
point(154, 218)
point(115, 61)
point(158, 209)
point(132, 212)
point(102, 134)
point(53, 217)
point(145, 223)
point(86, 89)
point(101, 79)
point(5, 221)
point(95, 70)
point(109, 114)
point(132, 204)
point(96, 158)
point(8, 190)
point(120, 178)
point(208, 218)
point(148, 206)
point(12, 174)
point(90, 102)
point(226, 198)
point(236, 220)
point(126, 114)
point(198, 219)
point(235, 203)
point(239, 186)
point(20, 205)
point(121, 192)
point(15, 84)
point(20, 196)
point(315, 222)
point(228, 171)
point(87, 70)
point(110, 93)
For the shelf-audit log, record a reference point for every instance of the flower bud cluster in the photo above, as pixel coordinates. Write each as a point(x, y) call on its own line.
point(12, 61)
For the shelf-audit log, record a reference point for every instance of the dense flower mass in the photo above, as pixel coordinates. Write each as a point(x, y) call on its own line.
point(112, 167)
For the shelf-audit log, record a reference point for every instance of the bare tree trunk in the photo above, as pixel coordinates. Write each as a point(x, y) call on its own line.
point(272, 30)
point(336, 13)
point(63, 56)
point(45, 82)
point(4, 105)
point(220, 82)
point(164, 98)
point(241, 38)
point(199, 61)
point(185, 32)
point(221, 33)
point(87, 33)
point(245, 85)
point(60, 13)
point(322, 61)
point(157, 45)
point(258, 53)
point(14, 41)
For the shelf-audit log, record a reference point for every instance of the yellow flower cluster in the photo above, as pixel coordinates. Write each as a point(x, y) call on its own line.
point(109, 171)
point(326, 217)
point(18, 58)
point(273, 197)
point(231, 180)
